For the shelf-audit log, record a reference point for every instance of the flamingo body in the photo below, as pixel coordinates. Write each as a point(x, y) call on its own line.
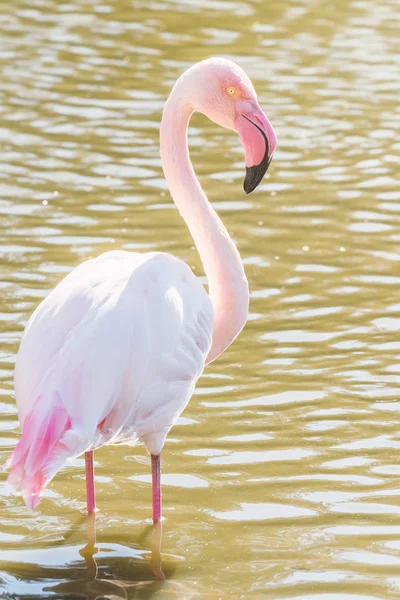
point(113, 353)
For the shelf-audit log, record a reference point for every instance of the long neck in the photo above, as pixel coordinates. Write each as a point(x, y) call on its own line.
point(228, 287)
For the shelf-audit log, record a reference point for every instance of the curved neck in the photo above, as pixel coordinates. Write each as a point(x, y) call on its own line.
point(228, 287)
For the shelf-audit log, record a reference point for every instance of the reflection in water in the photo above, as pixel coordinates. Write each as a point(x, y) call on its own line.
point(105, 577)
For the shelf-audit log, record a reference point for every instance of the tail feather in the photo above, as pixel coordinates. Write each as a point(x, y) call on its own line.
point(40, 452)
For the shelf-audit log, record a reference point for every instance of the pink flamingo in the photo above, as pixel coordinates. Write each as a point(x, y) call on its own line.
point(114, 352)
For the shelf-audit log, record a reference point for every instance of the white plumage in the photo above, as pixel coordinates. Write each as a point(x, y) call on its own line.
point(121, 341)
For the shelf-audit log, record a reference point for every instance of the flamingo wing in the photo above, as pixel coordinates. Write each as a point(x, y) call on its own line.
point(111, 355)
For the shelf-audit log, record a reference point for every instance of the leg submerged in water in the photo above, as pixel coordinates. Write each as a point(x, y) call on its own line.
point(89, 551)
point(156, 486)
point(155, 562)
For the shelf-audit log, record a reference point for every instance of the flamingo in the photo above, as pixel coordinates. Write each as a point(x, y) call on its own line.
point(113, 353)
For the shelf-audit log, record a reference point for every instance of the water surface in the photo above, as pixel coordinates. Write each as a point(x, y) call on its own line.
point(281, 480)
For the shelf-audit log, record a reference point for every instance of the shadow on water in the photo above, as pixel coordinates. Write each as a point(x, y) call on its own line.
point(106, 571)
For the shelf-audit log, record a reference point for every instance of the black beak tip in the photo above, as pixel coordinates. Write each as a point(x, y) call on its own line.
point(255, 174)
point(248, 184)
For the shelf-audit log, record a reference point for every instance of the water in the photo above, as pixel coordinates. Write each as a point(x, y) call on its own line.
point(281, 479)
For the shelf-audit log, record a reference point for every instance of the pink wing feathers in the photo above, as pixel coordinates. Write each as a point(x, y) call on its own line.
point(40, 450)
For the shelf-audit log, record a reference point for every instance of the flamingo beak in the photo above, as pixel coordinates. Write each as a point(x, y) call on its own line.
point(259, 142)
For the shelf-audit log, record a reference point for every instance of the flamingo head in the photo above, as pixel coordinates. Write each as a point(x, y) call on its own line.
point(224, 93)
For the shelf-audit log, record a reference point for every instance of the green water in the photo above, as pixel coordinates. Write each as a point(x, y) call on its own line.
point(281, 479)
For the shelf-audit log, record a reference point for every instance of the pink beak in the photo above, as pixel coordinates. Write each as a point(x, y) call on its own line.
point(259, 142)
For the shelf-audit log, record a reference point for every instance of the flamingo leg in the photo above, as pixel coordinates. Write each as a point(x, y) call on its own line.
point(156, 486)
point(90, 490)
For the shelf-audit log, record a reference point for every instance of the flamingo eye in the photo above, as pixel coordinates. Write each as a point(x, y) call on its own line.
point(231, 91)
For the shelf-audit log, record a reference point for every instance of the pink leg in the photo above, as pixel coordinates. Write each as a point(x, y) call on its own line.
point(90, 491)
point(156, 486)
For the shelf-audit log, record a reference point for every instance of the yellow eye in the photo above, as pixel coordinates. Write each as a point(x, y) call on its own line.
point(231, 91)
